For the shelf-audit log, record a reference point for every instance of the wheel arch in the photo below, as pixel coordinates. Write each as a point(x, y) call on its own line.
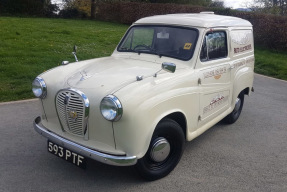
point(243, 83)
point(246, 91)
point(179, 118)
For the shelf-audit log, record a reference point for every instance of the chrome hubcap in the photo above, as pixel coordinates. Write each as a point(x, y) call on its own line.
point(160, 150)
point(237, 105)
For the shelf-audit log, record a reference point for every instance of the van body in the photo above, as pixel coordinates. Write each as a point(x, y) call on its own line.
point(170, 79)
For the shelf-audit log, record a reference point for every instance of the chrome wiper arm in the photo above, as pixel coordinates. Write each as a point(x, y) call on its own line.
point(142, 51)
point(156, 53)
point(146, 51)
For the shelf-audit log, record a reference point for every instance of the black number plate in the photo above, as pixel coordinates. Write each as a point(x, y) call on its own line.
point(67, 155)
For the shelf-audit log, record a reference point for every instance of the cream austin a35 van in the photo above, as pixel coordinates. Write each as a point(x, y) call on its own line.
point(171, 78)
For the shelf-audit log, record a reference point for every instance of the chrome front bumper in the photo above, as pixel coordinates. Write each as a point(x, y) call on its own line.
point(92, 154)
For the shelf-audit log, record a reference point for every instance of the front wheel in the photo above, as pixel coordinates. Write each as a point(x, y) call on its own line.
point(234, 115)
point(164, 152)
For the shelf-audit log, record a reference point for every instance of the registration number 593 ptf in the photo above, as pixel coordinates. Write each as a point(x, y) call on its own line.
point(67, 155)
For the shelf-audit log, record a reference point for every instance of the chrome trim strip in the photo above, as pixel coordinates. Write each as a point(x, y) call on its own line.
point(67, 98)
point(44, 109)
point(92, 154)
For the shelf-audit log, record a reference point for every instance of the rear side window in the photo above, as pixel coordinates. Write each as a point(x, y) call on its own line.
point(214, 46)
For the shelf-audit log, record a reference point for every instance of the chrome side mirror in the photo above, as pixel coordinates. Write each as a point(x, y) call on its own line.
point(169, 67)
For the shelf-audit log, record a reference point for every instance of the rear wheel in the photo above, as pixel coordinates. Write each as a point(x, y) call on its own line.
point(234, 115)
point(164, 152)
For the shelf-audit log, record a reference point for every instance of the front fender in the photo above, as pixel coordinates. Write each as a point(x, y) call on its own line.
point(134, 131)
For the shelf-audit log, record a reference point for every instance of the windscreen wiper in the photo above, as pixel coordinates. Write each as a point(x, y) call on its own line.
point(148, 51)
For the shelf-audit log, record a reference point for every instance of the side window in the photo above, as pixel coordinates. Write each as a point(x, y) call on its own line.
point(214, 46)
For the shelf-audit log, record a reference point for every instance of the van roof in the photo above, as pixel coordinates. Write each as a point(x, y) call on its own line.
point(203, 19)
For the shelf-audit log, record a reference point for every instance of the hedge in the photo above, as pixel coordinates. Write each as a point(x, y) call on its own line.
point(269, 30)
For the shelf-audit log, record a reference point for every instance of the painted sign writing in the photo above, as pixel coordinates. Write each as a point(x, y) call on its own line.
point(242, 49)
point(215, 72)
point(217, 101)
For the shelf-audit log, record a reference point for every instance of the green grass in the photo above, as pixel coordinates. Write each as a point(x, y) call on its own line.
point(271, 63)
point(29, 46)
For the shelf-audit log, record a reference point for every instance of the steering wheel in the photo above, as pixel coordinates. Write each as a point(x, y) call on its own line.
point(145, 47)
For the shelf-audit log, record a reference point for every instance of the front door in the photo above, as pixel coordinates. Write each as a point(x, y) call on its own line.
point(214, 76)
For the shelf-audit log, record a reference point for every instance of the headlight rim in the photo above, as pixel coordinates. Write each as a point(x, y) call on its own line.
point(118, 105)
point(43, 87)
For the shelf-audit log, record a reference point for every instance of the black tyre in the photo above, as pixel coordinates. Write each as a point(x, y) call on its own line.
point(165, 150)
point(234, 115)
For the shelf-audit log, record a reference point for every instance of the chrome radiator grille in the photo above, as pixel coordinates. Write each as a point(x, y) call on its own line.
point(73, 110)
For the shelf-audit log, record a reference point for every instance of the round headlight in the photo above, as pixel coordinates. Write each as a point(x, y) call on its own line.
point(39, 88)
point(111, 108)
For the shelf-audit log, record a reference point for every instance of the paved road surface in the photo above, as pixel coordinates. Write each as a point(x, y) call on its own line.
point(250, 155)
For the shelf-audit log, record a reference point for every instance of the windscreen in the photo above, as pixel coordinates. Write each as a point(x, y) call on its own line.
point(172, 42)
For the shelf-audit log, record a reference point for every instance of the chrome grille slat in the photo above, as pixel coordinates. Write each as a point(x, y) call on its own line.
point(75, 102)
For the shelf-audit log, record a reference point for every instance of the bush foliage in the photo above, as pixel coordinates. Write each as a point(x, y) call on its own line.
point(269, 30)
point(76, 9)
point(43, 8)
point(72, 13)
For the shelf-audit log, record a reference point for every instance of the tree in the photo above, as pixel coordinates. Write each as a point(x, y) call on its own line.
point(93, 9)
point(76, 8)
point(190, 2)
point(27, 7)
point(282, 4)
point(271, 6)
point(217, 3)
